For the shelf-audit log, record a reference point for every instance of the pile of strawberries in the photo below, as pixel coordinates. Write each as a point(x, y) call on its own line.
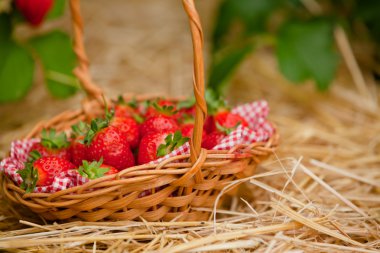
point(129, 134)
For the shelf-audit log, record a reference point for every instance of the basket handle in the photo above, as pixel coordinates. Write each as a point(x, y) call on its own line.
point(94, 92)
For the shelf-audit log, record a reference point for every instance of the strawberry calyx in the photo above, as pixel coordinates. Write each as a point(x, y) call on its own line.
point(187, 119)
point(132, 103)
point(226, 130)
point(215, 104)
point(167, 110)
point(186, 104)
point(93, 170)
point(79, 129)
point(29, 174)
point(96, 126)
point(51, 140)
point(172, 142)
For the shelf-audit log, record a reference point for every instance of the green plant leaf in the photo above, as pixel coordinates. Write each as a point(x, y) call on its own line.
point(16, 71)
point(368, 11)
point(57, 10)
point(252, 15)
point(58, 60)
point(225, 65)
point(305, 50)
point(5, 27)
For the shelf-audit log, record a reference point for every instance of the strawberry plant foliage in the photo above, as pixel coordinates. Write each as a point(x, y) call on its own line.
point(58, 74)
point(303, 41)
point(172, 142)
point(305, 50)
point(16, 71)
point(18, 56)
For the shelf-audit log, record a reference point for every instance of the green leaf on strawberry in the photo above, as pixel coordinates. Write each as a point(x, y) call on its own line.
point(51, 140)
point(164, 109)
point(226, 130)
point(172, 142)
point(188, 103)
point(29, 174)
point(132, 103)
point(95, 126)
point(93, 170)
point(214, 103)
point(80, 129)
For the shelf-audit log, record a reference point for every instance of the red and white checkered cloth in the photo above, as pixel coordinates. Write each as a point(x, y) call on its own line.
point(254, 113)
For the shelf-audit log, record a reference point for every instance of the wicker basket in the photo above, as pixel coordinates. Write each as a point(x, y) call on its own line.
point(176, 184)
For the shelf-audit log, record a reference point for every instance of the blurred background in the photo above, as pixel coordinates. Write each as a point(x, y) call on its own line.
point(316, 62)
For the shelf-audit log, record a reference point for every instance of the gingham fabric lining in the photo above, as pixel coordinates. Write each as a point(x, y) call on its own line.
point(254, 113)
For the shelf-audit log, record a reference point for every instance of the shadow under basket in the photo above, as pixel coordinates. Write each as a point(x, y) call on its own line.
point(173, 189)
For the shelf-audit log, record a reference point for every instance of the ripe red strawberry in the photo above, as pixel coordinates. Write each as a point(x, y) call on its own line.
point(155, 145)
point(209, 124)
point(53, 144)
point(186, 109)
point(78, 150)
point(158, 124)
point(96, 169)
point(108, 142)
point(229, 120)
point(160, 107)
point(212, 139)
point(128, 109)
point(40, 171)
point(187, 130)
point(34, 11)
point(129, 128)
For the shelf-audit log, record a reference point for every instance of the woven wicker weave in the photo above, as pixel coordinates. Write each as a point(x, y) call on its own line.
point(175, 185)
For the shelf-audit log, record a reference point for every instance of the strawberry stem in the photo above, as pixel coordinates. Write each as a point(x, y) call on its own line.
point(92, 170)
point(172, 142)
point(226, 130)
point(29, 174)
point(51, 140)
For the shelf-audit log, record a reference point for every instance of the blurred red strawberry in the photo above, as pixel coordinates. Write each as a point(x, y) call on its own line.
point(229, 120)
point(34, 11)
point(129, 128)
point(212, 139)
point(158, 123)
point(78, 150)
point(96, 169)
point(161, 107)
point(155, 145)
point(41, 171)
point(187, 130)
point(53, 144)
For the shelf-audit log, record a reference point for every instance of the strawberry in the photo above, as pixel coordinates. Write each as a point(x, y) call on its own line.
point(78, 149)
point(127, 109)
point(229, 120)
point(158, 123)
point(186, 109)
point(187, 130)
point(129, 128)
point(96, 169)
point(34, 11)
point(155, 145)
point(108, 142)
point(212, 139)
point(53, 144)
point(160, 107)
point(40, 171)
point(209, 124)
